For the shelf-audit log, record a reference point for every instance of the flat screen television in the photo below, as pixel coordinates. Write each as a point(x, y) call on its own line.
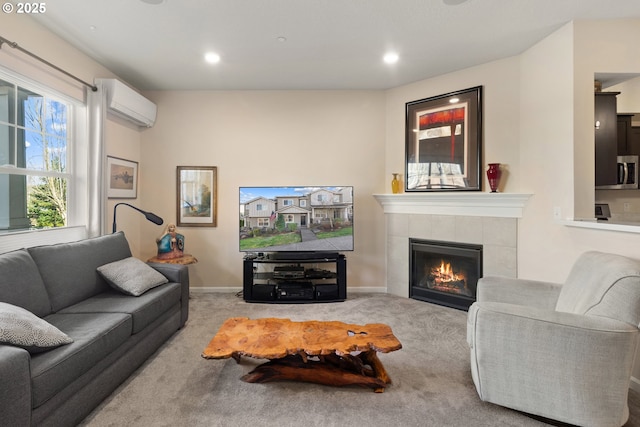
point(296, 219)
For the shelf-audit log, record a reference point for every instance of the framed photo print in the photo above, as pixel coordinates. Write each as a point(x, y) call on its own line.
point(123, 178)
point(197, 196)
point(443, 142)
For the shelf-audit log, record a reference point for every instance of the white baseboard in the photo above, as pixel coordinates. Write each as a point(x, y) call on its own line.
point(229, 289)
point(635, 384)
point(214, 289)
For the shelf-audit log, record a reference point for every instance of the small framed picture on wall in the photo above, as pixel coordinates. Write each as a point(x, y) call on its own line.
point(197, 196)
point(123, 178)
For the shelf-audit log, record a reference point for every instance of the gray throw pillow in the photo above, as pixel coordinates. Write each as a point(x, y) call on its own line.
point(131, 276)
point(21, 328)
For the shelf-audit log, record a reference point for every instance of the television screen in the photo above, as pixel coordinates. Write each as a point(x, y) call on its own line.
point(296, 219)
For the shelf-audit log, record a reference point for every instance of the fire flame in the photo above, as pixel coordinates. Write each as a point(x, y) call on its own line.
point(445, 273)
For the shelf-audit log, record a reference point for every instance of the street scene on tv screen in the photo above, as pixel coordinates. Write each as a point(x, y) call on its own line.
point(292, 219)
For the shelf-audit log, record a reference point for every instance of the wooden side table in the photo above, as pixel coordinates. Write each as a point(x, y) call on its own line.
point(186, 259)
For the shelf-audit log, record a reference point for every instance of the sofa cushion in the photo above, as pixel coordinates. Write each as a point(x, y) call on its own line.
point(603, 284)
point(131, 276)
point(95, 335)
point(21, 283)
point(69, 269)
point(144, 309)
point(21, 328)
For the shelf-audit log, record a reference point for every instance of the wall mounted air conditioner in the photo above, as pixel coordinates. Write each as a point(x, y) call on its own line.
point(128, 104)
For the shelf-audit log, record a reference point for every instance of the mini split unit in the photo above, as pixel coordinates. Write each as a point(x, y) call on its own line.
point(128, 104)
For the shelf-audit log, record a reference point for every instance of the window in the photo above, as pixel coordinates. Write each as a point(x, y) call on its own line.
point(36, 150)
point(263, 222)
point(259, 207)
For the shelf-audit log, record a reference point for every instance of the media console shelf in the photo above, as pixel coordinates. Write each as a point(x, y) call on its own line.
point(278, 279)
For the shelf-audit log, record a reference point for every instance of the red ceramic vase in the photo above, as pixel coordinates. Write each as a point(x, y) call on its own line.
point(493, 174)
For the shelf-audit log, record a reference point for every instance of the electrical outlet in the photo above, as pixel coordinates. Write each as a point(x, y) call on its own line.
point(557, 212)
point(626, 207)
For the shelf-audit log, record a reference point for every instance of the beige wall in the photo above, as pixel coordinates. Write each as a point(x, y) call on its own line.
point(500, 81)
point(557, 137)
point(29, 35)
point(123, 140)
point(547, 156)
point(267, 138)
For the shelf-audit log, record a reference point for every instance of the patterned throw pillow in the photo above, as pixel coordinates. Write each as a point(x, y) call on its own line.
point(131, 276)
point(22, 328)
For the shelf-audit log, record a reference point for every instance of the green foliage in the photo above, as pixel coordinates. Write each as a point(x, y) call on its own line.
point(46, 206)
point(292, 226)
point(280, 225)
point(345, 231)
point(265, 241)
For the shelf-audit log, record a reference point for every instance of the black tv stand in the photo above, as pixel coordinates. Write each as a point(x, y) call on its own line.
point(315, 277)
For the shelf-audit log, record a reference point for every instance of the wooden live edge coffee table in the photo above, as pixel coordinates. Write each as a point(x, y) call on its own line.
point(330, 353)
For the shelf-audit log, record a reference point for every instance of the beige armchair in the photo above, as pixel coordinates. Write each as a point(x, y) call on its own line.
point(560, 351)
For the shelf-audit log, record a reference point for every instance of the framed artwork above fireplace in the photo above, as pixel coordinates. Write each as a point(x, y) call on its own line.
point(443, 137)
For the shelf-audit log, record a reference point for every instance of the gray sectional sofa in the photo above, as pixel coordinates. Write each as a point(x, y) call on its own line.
point(112, 333)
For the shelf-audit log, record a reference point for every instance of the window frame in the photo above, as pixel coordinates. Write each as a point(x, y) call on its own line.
point(76, 158)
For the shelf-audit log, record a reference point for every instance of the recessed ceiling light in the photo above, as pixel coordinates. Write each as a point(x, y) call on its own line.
point(391, 58)
point(281, 39)
point(212, 57)
point(453, 2)
point(152, 1)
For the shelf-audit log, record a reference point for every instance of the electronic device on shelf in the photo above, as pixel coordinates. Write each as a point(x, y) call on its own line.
point(314, 273)
point(288, 272)
point(294, 291)
point(290, 223)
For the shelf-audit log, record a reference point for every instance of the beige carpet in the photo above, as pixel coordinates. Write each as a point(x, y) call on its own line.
point(432, 383)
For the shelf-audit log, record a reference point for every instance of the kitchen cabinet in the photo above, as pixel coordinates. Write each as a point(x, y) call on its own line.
point(628, 136)
point(606, 138)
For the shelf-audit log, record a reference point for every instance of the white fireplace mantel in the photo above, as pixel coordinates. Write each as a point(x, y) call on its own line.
point(503, 205)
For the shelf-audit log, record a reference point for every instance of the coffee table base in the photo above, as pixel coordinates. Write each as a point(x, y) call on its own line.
point(364, 370)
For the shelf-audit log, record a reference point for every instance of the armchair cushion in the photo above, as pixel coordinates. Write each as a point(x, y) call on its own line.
point(533, 293)
point(602, 284)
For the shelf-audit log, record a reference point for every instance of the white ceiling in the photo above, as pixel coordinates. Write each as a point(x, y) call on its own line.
point(330, 44)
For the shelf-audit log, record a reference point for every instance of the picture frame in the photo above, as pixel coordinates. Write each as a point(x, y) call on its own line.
point(123, 178)
point(197, 196)
point(443, 142)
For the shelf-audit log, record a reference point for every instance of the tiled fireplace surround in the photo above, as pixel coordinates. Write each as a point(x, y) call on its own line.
point(489, 219)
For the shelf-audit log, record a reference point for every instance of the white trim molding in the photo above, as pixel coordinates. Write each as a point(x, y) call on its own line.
point(15, 240)
point(502, 205)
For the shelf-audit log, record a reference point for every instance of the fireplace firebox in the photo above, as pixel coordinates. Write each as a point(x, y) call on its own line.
point(444, 273)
